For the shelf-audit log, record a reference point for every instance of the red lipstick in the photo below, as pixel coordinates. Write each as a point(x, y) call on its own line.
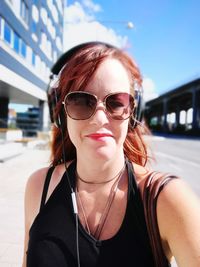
point(98, 136)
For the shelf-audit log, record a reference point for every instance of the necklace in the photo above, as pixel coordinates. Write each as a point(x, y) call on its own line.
point(98, 230)
point(104, 182)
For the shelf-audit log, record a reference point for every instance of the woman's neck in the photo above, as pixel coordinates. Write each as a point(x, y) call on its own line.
point(99, 171)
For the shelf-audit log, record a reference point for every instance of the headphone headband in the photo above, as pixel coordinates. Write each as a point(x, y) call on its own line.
point(70, 53)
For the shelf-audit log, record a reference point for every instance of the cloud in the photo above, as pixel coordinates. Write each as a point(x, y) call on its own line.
point(81, 26)
point(76, 14)
point(149, 89)
point(92, 6)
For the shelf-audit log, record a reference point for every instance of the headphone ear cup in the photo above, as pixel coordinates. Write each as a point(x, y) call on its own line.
point(137, 114)
point(52, 102)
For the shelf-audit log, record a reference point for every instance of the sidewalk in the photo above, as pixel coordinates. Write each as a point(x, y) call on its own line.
point(14, 173)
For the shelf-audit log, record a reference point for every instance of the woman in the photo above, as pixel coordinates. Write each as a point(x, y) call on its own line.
point(86, 210)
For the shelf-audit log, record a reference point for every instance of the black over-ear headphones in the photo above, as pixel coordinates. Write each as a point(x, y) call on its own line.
point(53, 96)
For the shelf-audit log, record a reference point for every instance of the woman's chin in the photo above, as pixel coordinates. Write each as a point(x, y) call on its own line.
point(103, 153)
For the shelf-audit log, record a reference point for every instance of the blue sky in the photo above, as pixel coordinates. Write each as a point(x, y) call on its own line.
point(165, 40)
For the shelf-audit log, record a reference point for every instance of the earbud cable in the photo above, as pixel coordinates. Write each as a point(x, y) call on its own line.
point(73, 197)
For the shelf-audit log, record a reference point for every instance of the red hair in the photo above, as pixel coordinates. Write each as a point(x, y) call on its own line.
point(74, 76)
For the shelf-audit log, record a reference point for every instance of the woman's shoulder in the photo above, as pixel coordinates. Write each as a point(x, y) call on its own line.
point(36, 180)
point(34, 189)
point(145, 175)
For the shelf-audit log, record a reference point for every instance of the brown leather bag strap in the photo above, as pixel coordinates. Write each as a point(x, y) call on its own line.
point(153, 185)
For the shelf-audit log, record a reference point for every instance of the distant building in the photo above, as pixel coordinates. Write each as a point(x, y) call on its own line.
point(176, 111)
point(29, 122)
point(31, 37)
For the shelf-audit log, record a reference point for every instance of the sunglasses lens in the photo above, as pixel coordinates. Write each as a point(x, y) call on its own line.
point(80, 106)
point(120, 105)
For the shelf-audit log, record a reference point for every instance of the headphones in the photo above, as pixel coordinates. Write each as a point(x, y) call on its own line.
point(53, 97)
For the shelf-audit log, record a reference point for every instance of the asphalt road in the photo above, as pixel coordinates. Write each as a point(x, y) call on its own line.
point(179, 156)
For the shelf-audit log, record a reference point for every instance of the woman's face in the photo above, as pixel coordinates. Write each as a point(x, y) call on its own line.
point(101, 137)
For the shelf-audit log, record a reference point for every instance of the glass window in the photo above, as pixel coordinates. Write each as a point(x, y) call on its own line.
point(24, 11)
point(43, 14)
point(7, 33)
point(23, 48)
point(0, 25)
point(34, 27)
point(16, 42)
point(33, 58)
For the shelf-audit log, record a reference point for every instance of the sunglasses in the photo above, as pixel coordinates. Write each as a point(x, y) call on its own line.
point(81, 105)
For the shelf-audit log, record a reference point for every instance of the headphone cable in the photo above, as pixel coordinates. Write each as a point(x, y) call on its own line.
point(73, 197)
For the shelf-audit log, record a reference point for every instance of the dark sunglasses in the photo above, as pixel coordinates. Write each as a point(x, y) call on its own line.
point(82, 105)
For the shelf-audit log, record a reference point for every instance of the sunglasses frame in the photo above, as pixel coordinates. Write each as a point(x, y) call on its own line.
point(97, 100)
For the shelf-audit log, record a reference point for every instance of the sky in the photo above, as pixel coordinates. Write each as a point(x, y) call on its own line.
point(164, 40)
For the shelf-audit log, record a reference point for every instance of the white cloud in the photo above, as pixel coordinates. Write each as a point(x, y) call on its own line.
point(76, 14)
point(149, 89)
point(92, 6)
point(81, 26)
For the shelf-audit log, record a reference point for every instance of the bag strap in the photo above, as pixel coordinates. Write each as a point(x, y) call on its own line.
point(153, 185)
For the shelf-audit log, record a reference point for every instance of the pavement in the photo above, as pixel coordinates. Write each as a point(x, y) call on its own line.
point(16, 165)
point(15, 169)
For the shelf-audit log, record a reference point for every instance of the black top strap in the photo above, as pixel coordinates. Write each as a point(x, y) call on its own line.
point(46, 186)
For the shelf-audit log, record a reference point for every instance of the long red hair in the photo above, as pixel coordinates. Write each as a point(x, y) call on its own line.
point(74, 76)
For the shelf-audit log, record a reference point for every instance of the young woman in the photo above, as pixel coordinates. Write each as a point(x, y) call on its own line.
point(86, 208)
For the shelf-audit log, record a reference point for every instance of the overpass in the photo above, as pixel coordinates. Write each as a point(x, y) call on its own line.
point(176, 111)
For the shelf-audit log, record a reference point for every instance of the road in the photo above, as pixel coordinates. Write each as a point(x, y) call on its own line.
point(178, 156)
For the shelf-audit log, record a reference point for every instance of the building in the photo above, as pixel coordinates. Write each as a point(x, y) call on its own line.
point(177, 111)
point(28, 121)
point(31, 37)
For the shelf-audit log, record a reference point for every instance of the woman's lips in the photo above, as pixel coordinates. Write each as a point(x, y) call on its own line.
point(98, 136)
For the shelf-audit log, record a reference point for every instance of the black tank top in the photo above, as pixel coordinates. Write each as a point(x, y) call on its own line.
point(52, 236)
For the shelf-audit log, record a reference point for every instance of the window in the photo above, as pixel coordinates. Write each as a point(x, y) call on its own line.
point(7, 32)
point(34, 27)
point(33, 58)
point(24, 11)
point(0, 26)
point(23, 49)
point(16, 42)
point(43, 14)
point(43, 40)
point(49, 48)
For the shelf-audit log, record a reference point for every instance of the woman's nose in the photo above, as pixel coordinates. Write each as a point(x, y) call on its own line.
point(100, 116)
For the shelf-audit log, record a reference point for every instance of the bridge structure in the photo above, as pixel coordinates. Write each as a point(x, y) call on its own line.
point(176, 111)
